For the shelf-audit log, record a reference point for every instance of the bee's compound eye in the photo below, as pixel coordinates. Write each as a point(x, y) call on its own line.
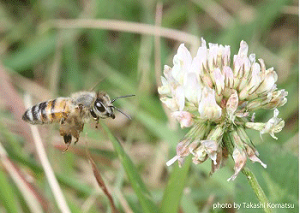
point(99, 106)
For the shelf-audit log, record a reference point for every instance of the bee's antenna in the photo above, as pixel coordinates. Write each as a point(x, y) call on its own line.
point(125, 96)
point(127, 116)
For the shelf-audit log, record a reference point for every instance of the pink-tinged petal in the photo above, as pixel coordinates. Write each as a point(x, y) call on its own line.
point(179, 97)
point(180, 162)
point(259, 102)
point(252, 58)
point(206, 80)
point(253, 84)
point(196, 68)
point(262, 65)
point(278, 99)
point(237, 64)
point(170, 103)
point(268, 83)
point(198, 160)
point(253, 117)
point(255, 78)
point(200, 154)
point(200, 61)
point(208, 107)
point(243, 51)
point(226, 56)
point(194, 145)
point(184, 118)
point(240, 159)
point(255, 125)
point(244, 75)
point(164, 81)
point(242, 114)
point(219, 81)
point(202, 55)
point(274, 125)
point(182, 148)
point(164, 89)
point(232, 105)
point(212, 56)
point(168, 72)
point(253, 156)
point(211, 148)
point(219, 160)
point(184, 55)
point(192, 88)
point(228, 77)
point(182, 62)
point(241, 65)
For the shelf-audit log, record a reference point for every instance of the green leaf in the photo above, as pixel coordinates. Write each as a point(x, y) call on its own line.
point(30, 54)
point(188, 204)
point(174, 189)
point(6, 194)
point(136, 181)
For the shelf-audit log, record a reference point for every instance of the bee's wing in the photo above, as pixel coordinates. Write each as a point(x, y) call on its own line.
point(85, 99)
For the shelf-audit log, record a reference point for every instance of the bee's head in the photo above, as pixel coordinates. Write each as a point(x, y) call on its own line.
point(103, 107)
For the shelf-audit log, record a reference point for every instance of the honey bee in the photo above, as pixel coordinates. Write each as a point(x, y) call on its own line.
point(73, 112)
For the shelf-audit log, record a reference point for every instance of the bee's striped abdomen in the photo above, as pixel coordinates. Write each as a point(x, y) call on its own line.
point(48, 112)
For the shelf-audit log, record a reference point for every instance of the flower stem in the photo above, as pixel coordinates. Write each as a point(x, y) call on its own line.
point(256, 188)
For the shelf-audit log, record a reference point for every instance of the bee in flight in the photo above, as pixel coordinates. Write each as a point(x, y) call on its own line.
point(73, 112)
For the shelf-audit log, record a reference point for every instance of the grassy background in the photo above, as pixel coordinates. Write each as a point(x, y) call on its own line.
point(55, 48)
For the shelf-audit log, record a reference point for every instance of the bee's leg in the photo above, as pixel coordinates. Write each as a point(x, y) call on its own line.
point(77, 139)
point(81, 128)
point(68, 140)
point(76, 132)
point(76, 136)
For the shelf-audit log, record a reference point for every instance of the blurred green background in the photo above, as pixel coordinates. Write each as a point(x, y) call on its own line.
point(52, 48)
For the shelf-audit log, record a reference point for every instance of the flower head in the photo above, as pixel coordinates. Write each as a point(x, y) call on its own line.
point(217, 101)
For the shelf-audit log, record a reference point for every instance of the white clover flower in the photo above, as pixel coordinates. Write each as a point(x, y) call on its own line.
point(274, 125)
point(208, 108)
point(185, 118)
point(217, 99)
point(240, 159)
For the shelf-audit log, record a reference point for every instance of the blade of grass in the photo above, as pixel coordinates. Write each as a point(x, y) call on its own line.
point(135, 179)
point(101, 182)
point(173, 192)
point(125, 26)
point(7, 195)
point(32, 53)
point(157, 45)
point(28, 194)
point(188, 204)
